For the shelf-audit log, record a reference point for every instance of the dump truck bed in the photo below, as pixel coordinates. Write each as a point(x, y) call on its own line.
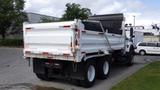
point(66, 41)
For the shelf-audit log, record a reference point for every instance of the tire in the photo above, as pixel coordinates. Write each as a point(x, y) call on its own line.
point(103, 69)
point(142, 52)
point(89, 75)
point(130, 58)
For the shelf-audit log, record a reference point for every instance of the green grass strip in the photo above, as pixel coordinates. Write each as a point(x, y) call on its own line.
point(147, 78)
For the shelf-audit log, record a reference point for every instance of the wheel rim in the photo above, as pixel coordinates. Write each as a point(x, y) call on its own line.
point(142, 52)
point(91, 73)
point(105, 67)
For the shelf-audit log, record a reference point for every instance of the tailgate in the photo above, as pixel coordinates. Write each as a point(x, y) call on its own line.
point(48, 38)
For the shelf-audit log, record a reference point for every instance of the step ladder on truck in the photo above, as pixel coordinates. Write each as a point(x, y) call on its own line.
point(80, 50)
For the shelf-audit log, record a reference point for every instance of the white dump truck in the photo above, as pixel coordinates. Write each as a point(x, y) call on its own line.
point(80, 50)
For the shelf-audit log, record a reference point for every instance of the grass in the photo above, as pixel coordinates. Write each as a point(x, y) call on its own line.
point(11, 42)
point(147, 78)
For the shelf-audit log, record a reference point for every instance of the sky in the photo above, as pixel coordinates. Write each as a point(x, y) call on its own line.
point(146, 12)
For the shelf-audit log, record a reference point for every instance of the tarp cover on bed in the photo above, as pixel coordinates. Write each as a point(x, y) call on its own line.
point(112, 22)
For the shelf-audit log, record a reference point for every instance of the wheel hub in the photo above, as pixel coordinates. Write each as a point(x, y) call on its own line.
point(105, 68)
point(91, 73)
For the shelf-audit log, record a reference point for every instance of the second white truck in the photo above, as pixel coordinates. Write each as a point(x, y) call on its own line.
point(77, 50)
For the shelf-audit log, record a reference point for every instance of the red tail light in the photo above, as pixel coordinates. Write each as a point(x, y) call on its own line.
point(78, 32)
point(66, 26)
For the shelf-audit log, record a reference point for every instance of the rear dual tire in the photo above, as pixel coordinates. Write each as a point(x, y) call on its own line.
point(89, 75)
point(130, 57)
point(103, 69)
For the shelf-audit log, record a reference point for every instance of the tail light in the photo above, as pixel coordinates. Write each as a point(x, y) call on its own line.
point(45, 53)
point(77, 36)
point(66, 26)
point(77, 32)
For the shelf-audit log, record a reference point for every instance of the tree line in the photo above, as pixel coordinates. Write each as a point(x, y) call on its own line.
point(12, 15)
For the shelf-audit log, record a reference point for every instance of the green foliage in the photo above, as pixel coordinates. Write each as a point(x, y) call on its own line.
point(46, 19)
point(147, 78)
point(11, 15)
point(74, 11)
point(11, 42)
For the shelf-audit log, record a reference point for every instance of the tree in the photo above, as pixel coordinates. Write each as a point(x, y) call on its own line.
point(46, 19)
point(11, 15)
point(74, 11)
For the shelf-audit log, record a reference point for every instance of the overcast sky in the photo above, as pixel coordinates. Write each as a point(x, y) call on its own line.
point(147, 12)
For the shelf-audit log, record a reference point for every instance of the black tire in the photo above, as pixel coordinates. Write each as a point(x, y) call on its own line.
point(103, 68)
point(142, 52)
point(86, 82)
point(130, 57)
point(43, 77)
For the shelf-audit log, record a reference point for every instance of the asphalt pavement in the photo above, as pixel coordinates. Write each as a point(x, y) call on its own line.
point(15, 73)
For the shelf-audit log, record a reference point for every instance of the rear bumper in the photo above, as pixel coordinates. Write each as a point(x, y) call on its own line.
point(48, 56)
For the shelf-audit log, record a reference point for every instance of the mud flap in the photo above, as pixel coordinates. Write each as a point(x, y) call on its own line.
point(39, 66)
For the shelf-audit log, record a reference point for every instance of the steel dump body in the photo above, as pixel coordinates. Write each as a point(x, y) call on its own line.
point(68, 41)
